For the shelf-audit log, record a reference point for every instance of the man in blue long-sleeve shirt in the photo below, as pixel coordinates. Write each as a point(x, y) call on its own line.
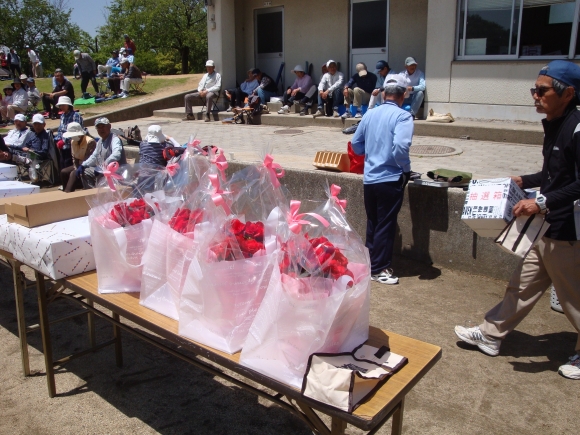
point(384, 136)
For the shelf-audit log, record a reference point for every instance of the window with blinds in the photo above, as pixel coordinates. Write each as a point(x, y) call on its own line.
point(512, 29)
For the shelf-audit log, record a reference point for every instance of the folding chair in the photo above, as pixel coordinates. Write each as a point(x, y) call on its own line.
point(214, 106)
point(49, 169)
point(138, 87)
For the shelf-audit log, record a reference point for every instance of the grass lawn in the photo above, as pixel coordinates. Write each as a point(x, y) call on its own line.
point(151, 85)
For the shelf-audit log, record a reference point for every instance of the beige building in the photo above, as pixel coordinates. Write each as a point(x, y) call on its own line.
point(485, 75)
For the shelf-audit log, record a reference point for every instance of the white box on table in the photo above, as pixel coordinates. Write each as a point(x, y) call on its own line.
point(57, 250)
point(8, 172)
point(489, 203)
point(9, 189)
point(4, 233)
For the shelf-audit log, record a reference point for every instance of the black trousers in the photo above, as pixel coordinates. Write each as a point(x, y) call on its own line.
point(300, 97)
point(66, 158)
point(237, 97)
point(87, 76)
point(15, 68)
point(382, 204)
point(49, 104)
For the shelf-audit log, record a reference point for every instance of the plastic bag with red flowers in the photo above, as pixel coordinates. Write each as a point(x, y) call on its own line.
point(229, 276)
point(176, 235)
point(318, 298)
point(121, 217)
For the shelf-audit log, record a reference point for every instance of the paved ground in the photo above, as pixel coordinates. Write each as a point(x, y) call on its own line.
point(483, 159)
point(467, 392)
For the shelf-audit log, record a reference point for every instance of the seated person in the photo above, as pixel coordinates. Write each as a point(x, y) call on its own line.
point(6, 101)
point(267, 87)
point(358, 91)
point(5, 154)
point(19, 135)
point(33, 93)
point(330, 91)
point(132, 75)
point(109, 149)
point(19, 102)
point(383, 70)
point(63, 88)
point(237, 96)
point(302, 90)
point(23, 79)
point(416, 87)
point(82, 146)
point(69, 115)
point(208, 89)
point(151, 149)
point(34, 148)
point(112, 65)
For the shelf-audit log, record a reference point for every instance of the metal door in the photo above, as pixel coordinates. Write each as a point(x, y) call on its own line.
point(269, 39)
point(369, 30)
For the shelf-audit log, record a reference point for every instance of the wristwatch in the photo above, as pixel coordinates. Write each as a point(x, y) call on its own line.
point(541, 202)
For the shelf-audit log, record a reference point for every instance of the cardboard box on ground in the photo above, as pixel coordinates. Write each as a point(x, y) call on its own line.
point(489, 203)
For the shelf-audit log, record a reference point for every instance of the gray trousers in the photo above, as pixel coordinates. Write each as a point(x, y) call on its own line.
point(194, 97)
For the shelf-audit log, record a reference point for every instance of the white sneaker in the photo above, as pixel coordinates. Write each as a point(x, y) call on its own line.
point(554, 301)
point(571, 369)
point(358, 115)
point(473, 336)
point(284, 110)
point(385, 277)
point(124, 95)
point(346, 115)
point(318, 113)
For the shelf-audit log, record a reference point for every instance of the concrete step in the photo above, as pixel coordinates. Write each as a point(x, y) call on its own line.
point(484, 131)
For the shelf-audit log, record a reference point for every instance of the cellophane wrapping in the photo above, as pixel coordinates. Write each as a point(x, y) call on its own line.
point(229, 274)
point(121, 218)
point(317, 300)
point(189, 215)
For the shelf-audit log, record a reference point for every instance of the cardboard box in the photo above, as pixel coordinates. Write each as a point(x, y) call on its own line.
point(57, 250)
point(489, 203)
point(8, 172)
point(10, 189)
point(48, 207)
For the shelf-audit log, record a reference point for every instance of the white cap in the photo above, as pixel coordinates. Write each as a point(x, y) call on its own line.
point(210, 63)
point(64, 100)
point(410, 61)
point(20, 117)
point(102, 120)
point(124, 60)
point(298, 68)
point(77, 54)
point(73, 129)
point(396, 80)
point(38, 119)
point(329, 62)
point(155, 135)
point(361, 69)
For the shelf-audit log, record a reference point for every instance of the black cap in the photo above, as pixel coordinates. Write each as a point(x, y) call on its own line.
point(382, 64)
point(256, 72)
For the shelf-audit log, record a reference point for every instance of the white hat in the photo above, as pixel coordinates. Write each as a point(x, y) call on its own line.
point(74, 129)
point(298, 68)
point(410, 61)
point(38, 119)
point(77, 54)
point(20, 117)
point(329, 62)
point(155, 135)
point(122, 50)
point(64, 100)
point(396, 80)
point(361, 69)
point(102, 120)
point(124, 60)
point(210, 63)
point(23, 76)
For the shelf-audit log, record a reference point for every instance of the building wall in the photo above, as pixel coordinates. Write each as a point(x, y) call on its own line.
point(407, 32)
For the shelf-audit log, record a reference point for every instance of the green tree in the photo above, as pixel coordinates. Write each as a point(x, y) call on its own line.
point(45, 26)
point(167, 28)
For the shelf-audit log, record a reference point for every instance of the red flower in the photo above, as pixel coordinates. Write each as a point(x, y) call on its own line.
point(184, 221)
point(237, 226)
point(247, 237)
point(131, 214)
point(254, 231)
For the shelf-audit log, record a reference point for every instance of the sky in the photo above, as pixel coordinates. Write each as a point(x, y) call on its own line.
point(88, 14)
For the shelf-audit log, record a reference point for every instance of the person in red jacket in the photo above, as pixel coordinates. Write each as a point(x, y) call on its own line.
point(129, 43)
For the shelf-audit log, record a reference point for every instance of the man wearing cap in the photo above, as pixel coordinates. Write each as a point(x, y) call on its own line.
point(34, 148)
point(358, 90)
point(82, 146)
point(237, 96)
point(555, 257)
point(19, 102)
point(113, 61)
point(19, 134)
point(33, 92)
point(69, 115)
point(208, 89)
point(267, 86)
point(129, 43)
point(151, 149)
point(88, 70)
point(302, 90)
point(33, 60)
point(384, 136)
point(382, 70)
point(330, 91)
point(132, 75)
point(109, 149)
point(416, 86)
point(63, 88)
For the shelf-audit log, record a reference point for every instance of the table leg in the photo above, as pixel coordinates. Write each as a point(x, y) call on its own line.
point(45, 331)
point(338, 426)
point(118, 342)
point(91, 324)
point(21, 319)
point(398, 419)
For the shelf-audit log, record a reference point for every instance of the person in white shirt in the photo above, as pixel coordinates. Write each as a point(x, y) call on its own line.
point(19, 102)
point(18, 136)
point(330, 91)
point(209, 88)
point(33, 61)
point(416, 88)
point(33, 92)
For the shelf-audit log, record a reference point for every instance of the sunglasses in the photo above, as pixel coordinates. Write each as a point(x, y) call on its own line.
point(540, 91)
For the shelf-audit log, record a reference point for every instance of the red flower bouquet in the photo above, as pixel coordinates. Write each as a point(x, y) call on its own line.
point(185, 220)
point(246, 239)
point(133, 213)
